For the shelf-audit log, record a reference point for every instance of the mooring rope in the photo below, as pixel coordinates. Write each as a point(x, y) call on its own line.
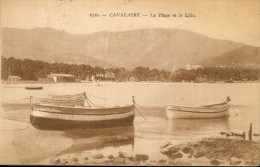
point(22, 107)
point(140, 113)
point(149, 108)
point(86, 99)
point(16, 107)
point(13, 109)
point(91, 102)
point(236, 114)
point(31, 123)
point(96, 96)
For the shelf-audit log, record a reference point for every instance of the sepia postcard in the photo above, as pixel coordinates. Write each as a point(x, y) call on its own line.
point(130, 82)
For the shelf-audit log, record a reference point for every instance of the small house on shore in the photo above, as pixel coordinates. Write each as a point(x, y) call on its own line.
point(193, 67)
point(107, 76)
point(14, 78)
point(57, 78)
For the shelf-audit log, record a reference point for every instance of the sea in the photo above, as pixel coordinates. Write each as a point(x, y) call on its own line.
point(21, 143)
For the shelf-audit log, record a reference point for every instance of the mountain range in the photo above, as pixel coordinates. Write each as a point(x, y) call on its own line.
point(154, 48)
point(243, 57)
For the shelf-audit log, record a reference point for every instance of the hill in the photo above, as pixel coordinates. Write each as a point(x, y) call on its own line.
point(243, 57)
point(154, 48)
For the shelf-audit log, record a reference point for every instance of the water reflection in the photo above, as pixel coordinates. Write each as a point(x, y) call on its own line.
point(189, 125)
point(90, 139)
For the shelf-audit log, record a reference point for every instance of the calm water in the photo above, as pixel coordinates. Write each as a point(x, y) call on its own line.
point(32, 145)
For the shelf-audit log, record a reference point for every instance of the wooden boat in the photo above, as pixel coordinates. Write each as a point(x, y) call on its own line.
point(203, 111)
point(65, 100)
point(74, 96)
point(33, 87)
point(64, 117)
point(229, 81)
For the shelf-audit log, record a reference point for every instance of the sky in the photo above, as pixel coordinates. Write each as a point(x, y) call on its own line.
point(235, 20)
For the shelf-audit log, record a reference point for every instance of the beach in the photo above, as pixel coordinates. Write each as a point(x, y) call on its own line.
point(131, 145)
point(206, 152)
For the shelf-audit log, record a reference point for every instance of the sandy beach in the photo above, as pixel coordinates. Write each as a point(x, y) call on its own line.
point(79, 151)
point(141, 144)
point(205, 152)
point(20, 147)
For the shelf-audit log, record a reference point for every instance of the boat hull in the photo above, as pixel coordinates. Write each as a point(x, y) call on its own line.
point(53, 120)
point(33, 88)
point(173, 112)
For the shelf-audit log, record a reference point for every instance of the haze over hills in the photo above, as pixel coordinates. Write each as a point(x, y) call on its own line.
point(47, 45)
point(154, 48)
point(244, 57)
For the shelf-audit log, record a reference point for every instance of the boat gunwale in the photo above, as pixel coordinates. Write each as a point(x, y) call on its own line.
point(38, 87)
point(57, 99)
point(206, 106)
point(201, 112)
point(84, 107)
point(96, 114)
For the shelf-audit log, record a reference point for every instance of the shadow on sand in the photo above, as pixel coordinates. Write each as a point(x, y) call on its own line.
point(99, 138)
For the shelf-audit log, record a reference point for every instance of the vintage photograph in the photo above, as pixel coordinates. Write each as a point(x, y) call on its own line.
point(130, 82)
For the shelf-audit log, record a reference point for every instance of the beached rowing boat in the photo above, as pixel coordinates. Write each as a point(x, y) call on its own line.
point(80, 117)
point(203, 111)
point(64, 117)
point(33, 87)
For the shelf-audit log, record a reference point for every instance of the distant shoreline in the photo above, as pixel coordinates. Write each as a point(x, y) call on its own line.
point(123, 82)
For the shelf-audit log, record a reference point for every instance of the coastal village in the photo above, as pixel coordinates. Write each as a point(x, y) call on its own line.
point(189, 73)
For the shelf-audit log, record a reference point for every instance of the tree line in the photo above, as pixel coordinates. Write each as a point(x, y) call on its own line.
point(33, 70)
point(216, 74)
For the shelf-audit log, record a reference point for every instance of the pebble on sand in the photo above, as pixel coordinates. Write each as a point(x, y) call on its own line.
point(178, 154)
point(235, 161)
point(169, 149)
point(185, 149)
point(141, 157)
point(75, 159)
point(189, 156)
point(55, 160)
point(98, 156)
point(110, 157)
point(64, 161)
point(218, 150)
point(124, 154)
point(162, 161)
point(165, 145)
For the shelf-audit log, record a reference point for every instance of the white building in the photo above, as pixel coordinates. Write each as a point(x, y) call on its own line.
point(62, 77)
point(193, 67)
point(14, 78)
